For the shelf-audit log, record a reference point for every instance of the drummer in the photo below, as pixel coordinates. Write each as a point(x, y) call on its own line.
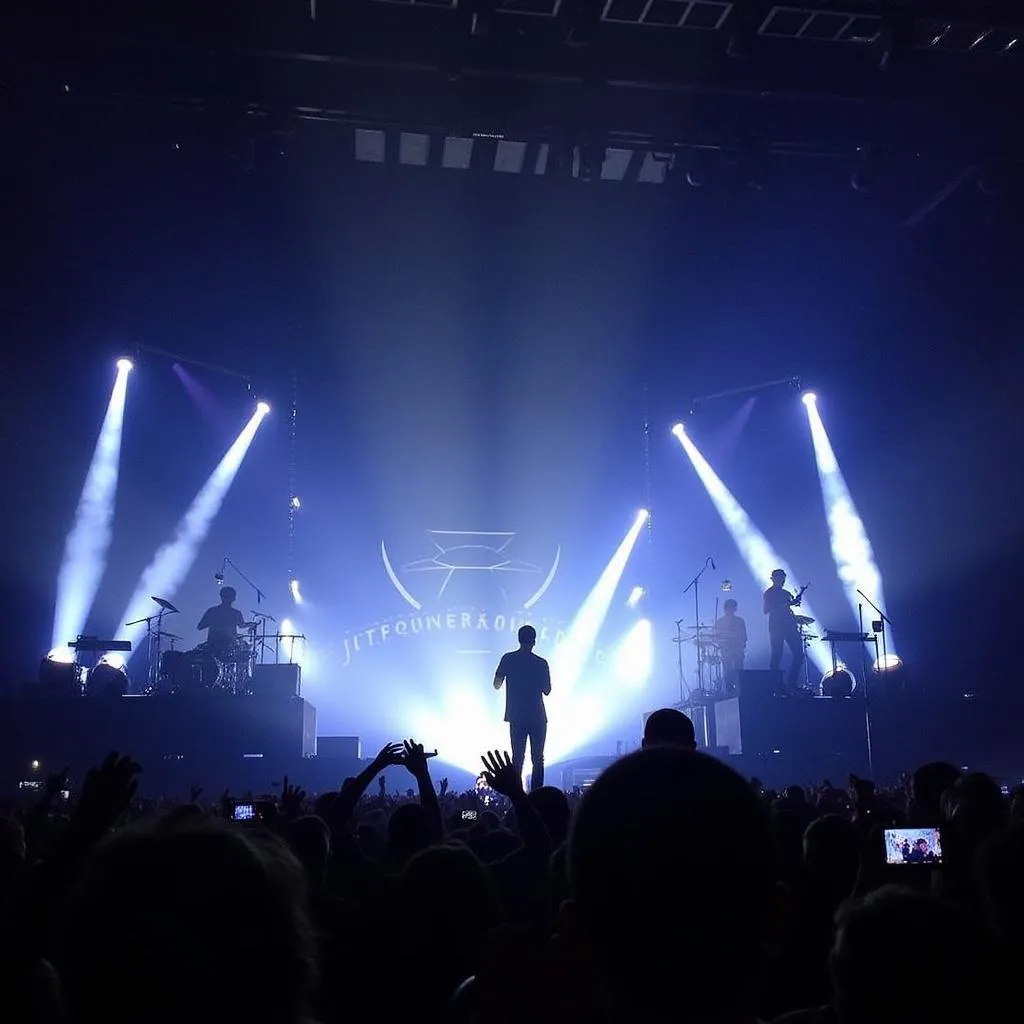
point(222, 623)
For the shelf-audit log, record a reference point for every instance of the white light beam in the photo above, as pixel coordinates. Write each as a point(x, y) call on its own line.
point(172, 562)
point(757, 552)
point(87, 543)
point(851, 548)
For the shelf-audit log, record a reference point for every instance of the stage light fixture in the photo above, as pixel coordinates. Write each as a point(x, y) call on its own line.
point(808, 398)
point(263, 408)
point(59, 675)
point(124, 365)
point(838, 682)
point(296, 591)
point(887, 663)
point(679, 430)
point(635, 596)
point(107, 678)
point(295, 503)
point(642, 516)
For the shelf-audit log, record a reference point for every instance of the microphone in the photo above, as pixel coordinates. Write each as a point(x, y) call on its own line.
point(712, 561)
point(263, 615)
point(218, 577)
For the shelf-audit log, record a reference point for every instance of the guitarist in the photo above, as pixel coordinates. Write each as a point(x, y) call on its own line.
point(782, 627)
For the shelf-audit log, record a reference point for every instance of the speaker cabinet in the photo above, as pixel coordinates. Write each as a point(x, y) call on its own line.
point(279, 681)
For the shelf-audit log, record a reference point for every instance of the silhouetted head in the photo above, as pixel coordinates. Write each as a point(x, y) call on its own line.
point(927, 785)
point(832, 852)
point(553, 807)
point(778, 577)
point(669, 727)
point(730, 607)
point(165, 922)
point(651, 819)
point(408, 831)
point(941, 970)
point(1001, 883)
point(527, 637)
point(310, 841)
point(227, 595)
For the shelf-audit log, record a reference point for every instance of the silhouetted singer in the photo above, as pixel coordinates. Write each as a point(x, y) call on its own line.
point(528, 682)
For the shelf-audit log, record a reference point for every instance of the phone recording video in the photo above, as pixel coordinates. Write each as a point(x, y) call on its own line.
point(469, 815)
point(913, 846)
point(243, 812)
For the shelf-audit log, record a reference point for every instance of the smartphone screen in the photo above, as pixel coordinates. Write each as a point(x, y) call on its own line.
point(913, 846)
point(469, 815)
point(243, 812)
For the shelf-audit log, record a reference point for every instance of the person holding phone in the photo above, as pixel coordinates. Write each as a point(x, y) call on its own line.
point(527, 681)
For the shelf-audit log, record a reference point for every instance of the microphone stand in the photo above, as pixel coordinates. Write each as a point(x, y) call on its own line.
point(694, 584)
point(259, 593)
point(885, 620)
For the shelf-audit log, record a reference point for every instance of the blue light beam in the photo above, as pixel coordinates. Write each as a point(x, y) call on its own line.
point(851, 548)
point(88, 541)
point(172, 562)
point(754, 547)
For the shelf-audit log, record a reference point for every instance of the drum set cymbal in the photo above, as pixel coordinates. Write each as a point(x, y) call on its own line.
point(804, 620)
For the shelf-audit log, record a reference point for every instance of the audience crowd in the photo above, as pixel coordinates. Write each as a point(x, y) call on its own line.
point(673, 889)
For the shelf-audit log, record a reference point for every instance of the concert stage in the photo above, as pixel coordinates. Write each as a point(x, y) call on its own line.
point(207, 738)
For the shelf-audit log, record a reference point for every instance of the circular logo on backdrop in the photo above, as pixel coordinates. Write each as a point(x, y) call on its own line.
point(470, 567)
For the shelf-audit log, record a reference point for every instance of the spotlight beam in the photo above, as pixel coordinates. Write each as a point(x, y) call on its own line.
point(575, 649)
point(757, 552)
point(87, 543)
point(172, 562)
point(851, 548)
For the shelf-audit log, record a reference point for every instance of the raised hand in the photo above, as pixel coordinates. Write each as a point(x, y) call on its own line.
point(415, 759)
point(194, 793)
point(107, 792)
point(500, 774)
point(391, 754)
point(292, 799)
point(442, 789)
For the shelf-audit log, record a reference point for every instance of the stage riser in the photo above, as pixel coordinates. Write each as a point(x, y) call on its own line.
point(196, 734)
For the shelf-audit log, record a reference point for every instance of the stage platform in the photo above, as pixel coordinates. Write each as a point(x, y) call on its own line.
point(212, 739)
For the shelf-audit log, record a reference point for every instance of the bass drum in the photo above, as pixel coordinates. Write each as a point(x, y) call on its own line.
point(170, 668)
point(197, 670)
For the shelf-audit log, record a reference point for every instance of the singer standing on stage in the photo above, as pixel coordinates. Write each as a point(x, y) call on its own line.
point(527, 680)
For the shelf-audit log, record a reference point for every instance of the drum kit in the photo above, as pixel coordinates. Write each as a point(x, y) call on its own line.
point(208, 667)
point(712, 668)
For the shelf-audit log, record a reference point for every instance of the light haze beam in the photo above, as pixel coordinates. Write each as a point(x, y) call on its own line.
point(88, 541)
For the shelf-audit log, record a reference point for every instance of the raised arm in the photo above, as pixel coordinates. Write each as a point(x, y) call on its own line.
point(499, 673)
point(343, 806)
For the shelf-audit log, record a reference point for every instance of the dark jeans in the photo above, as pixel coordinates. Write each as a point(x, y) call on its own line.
point(536, 732)
point(780, 638)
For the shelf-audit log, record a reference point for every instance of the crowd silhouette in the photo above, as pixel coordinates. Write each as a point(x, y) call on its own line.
point(673, 889)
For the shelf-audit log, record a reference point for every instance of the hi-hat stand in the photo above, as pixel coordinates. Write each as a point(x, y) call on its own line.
point(154, 640)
